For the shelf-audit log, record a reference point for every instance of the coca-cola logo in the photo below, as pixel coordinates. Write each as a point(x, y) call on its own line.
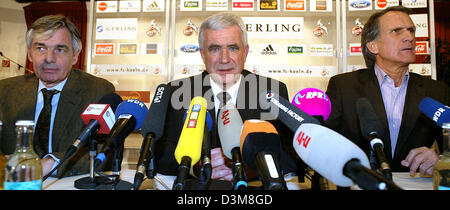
point(299, 5)
point(421, 48)
point(104, 49)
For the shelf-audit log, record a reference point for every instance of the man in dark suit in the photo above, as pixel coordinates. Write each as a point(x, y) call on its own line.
point(388, 42)
point(54, 45)
point(224, 49)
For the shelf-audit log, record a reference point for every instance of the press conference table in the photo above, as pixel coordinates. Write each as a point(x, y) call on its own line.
point(402, 179)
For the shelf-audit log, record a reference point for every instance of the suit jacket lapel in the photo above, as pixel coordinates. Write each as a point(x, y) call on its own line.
point(371, 90)
point(245, 103)
point(69, 100)
point(414, 94)
point(26, 103)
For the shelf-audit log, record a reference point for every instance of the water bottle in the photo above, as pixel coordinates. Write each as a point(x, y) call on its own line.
point(2, 162)
point(23, 170)
point(441, 172)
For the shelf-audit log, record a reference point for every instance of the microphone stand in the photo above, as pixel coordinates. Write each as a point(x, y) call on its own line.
point(117, 183)
point(151, 172)
point(366, 178)
point(372, 160)
point(318, 182)
point(18, 65)
point(183, 172)
point(92, 181)
point(206, 168)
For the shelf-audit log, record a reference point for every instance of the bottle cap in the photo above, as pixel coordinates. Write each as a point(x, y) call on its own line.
point(24, 123)
point(446, 125)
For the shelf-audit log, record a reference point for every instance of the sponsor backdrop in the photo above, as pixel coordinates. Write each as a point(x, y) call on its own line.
point(295, 41)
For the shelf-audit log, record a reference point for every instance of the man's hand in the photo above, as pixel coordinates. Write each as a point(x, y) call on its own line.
point(47, 164)
point(218, 164)
point(421, 158)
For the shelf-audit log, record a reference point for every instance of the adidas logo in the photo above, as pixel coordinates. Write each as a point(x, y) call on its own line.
point(153, 6)
point(268, 50)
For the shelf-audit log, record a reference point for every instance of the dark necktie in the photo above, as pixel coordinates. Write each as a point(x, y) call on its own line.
point(223, 97)
point(43, 123)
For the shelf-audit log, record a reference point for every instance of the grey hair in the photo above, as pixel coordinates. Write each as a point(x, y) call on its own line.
point(47, 25)
point(222, 21)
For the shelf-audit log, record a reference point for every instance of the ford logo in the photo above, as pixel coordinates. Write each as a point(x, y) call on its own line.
point(360, 4)
point(189, 48)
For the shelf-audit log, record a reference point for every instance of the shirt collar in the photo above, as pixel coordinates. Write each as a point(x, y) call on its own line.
point(59, 86)
point(233, 90)
point(382, 76)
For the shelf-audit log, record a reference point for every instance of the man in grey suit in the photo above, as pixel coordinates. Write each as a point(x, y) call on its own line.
point(54, 45)
point(224, 49)
point(388, 42)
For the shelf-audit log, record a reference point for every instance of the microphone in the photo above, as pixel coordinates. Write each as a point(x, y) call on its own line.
point(288, 114)
point(206, 168)
point(152, 130)
point(99, 118)
point(314, 102)
point(435, 110)
point(260, 147)
point(188, 150)
point(229, 126)
point(372, 130)
point(337, 158)
point(130, 115)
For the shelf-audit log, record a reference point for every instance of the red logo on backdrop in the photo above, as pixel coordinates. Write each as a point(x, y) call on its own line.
point(243, 5)
point(295, 5)
point(303, 139)
point(382, 3)
point(421, 48)
point(356, 49)
point(104, 49)
point(6, 63)
point(102, 6)
point(225, 118)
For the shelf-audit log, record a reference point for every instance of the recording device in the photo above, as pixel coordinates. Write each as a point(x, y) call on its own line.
point(188, 150)
point(435, 110)
point(152, 131)
point(130, 115)
point(314, 102)
point(206, 168)
point(287, 113)
point(261, 148)
point(99, 118)
point(291, 116)
point(229, 126)
point(372, 130)
point(337, 158)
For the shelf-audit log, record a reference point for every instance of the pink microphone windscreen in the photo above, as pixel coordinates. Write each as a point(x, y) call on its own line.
point(313, 101)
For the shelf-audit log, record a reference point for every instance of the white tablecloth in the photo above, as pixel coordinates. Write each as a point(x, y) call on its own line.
point(404, 180)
